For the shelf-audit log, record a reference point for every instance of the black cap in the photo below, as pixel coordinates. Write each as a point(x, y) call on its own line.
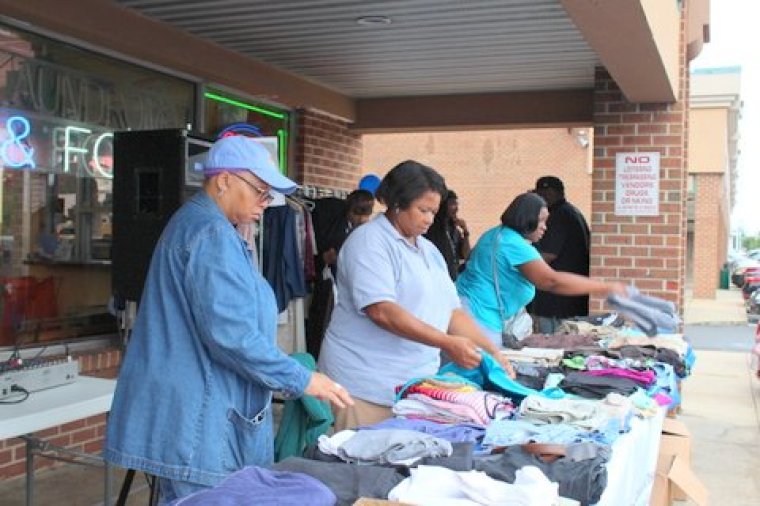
point(550, 182)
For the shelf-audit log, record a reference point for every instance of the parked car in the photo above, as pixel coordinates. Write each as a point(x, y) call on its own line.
point(737, 277)
point(755, 353)
point(750, 286)
point(753, 307)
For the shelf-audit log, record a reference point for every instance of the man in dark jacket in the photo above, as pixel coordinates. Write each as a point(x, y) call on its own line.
point(358, 210)
point(565, 247)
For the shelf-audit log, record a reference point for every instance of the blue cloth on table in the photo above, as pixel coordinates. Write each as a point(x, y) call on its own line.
point(689, 359)
point(516, 432)
point(454, 433)
point(256, 485)
point(492, 377)
point(666, 381)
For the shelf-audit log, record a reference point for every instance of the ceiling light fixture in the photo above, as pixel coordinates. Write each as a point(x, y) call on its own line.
point(373, 20)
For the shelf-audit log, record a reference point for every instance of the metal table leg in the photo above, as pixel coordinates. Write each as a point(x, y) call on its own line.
point(108, 478)
point(36, 446)
point(29, 500)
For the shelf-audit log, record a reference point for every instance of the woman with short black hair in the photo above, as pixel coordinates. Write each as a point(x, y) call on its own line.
point(505, 257)
point(397, 307)
point(406, 182)
point(522, 215)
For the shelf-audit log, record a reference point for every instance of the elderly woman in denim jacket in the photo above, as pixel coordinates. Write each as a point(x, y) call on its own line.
point(192, 401)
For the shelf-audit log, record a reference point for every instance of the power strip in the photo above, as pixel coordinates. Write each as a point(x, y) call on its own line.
point(38, 376)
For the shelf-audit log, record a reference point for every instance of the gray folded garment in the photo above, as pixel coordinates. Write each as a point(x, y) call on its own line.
point(650, 314)
point(582, 480)
point(392, 446)
point(460, 459)
point(347, 481)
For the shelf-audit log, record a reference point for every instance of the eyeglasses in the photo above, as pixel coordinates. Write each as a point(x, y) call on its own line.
point(265, 197)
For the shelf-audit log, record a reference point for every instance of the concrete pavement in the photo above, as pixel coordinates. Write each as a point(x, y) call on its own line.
point(720, 408)
point(720, 405)
point(726, 309)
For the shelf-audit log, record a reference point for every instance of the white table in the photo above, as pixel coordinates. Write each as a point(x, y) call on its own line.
point(632, 466)
point(55, 406)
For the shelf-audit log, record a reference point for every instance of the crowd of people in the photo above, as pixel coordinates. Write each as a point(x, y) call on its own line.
point(412, 295)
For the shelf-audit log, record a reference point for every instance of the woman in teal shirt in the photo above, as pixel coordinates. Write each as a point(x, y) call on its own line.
point(519, 267)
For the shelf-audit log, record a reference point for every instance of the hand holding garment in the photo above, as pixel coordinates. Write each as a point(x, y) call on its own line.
point(491, 376)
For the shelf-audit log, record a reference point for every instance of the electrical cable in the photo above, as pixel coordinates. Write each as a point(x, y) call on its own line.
point(16, 388)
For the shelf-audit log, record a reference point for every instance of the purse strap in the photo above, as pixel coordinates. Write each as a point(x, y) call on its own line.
point(496, 273)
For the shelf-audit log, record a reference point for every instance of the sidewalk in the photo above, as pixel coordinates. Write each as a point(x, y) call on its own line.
point(720, 407)
point(726, 309)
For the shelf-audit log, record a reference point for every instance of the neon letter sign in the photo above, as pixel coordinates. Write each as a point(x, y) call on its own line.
point(68, 148)
point(96, 156)
point(13, 151)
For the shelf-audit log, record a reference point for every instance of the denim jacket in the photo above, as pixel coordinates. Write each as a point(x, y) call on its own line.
point(192, 401)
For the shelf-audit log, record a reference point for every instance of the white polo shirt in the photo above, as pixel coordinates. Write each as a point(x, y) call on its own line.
point(377, 264)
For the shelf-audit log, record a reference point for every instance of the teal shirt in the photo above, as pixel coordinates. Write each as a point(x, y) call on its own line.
point(303, 420)
point(476, 283)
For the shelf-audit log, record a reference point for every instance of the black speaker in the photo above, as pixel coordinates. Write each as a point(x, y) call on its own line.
point(153, 175)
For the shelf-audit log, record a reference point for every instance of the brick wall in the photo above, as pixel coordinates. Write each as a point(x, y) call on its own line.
point(327, 153)
point(488, 168)
point(647, 251)
point(709, 233)
point(84, 435)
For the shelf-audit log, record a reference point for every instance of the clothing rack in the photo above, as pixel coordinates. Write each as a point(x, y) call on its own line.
point(315, 192)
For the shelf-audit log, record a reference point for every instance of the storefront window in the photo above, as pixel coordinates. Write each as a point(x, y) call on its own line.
point(223, 109)
point(59, 107)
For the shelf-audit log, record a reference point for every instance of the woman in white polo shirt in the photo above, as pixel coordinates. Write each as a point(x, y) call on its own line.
point(397, 307)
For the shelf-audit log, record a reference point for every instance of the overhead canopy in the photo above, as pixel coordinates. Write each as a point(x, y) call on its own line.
point(355, 59)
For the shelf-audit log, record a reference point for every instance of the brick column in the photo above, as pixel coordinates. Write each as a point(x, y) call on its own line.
point(327, 153)
point(646, 251)
point(709, 233)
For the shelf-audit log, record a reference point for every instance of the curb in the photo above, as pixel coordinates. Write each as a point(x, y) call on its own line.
point(720, 324)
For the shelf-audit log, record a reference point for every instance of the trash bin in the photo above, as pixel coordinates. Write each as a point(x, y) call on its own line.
point(724, 278)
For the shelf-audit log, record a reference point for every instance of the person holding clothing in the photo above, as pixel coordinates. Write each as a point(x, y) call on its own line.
point(450, 235)
point(397, 307)
point(519, 267)
point(193, 398)
point(565, 247)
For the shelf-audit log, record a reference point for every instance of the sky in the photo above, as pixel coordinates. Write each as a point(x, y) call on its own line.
point(734, 41)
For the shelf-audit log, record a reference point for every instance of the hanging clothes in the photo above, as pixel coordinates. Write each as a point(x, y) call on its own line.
point(282, 266)
point(330, 227)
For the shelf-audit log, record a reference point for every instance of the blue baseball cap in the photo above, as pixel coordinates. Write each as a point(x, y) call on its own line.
point(237, 153)
point(370, 182)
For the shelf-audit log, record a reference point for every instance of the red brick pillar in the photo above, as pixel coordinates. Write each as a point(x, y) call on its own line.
point(709, 233)
point(646, 251)
point(327, 153)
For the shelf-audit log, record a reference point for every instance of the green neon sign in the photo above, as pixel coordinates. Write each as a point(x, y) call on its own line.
point(282, 138)
point(238, 103)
